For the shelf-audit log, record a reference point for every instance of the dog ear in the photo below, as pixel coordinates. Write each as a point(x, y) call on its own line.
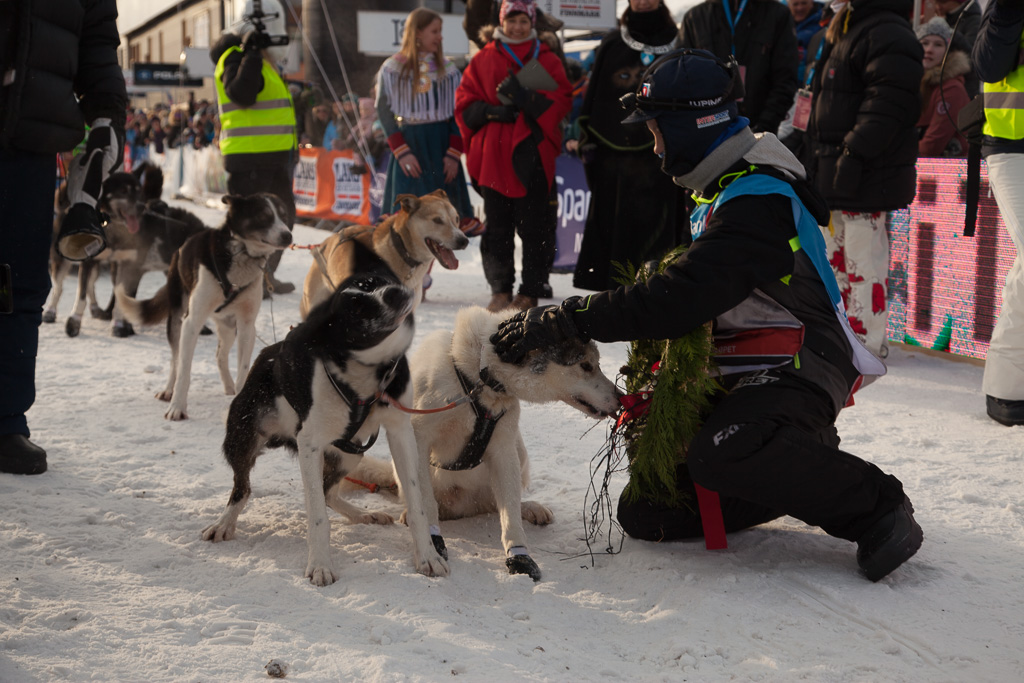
point(230, 199)
point(439, 193)
point(409, 202)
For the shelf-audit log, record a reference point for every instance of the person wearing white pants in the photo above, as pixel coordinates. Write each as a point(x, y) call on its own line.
point(996, 57)
point(865, 102)
point(858, 249)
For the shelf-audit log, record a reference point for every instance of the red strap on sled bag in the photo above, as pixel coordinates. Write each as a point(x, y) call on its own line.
point(711, 518)
point(710, 506)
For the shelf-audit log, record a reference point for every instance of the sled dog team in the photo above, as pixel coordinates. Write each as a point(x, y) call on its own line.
point(327, 389)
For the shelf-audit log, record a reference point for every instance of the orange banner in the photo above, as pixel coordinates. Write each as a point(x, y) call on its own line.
point(325, 186)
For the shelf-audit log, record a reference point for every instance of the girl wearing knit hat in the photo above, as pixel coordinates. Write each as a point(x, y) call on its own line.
point(943, 93)
point(509, 107)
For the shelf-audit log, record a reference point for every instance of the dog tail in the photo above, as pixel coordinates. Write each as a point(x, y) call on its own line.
point(148, 312)
point(370, 472)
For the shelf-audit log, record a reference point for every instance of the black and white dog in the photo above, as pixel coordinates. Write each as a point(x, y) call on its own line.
point(216, 274)
point(323, 393)
point(143, 234)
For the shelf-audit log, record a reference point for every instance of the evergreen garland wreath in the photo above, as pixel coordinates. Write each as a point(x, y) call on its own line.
point(672, 380)
point(667, 383)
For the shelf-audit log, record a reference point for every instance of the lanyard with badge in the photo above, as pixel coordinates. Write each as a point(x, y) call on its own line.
point(536, 51)
point(732, 32)
point(804, 97)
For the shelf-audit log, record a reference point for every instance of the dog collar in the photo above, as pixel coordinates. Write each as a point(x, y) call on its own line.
point(473, 452)
point(396, 241)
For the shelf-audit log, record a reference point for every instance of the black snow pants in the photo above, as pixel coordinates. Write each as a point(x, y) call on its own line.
point(276, 180)
point(535, 218)
point(770, 448)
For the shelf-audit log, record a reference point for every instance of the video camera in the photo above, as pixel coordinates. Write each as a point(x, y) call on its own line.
point(262, 39)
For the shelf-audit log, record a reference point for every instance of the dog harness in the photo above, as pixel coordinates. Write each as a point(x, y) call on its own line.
point(473, 452)
point(359, 409)
point(231, 291)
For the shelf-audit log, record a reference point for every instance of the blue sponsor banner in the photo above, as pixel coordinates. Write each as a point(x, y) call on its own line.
point(573, 202)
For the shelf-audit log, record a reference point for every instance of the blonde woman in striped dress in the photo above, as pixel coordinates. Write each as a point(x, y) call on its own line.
point(416, 108)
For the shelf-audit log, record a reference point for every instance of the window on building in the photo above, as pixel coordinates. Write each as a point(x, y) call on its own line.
point(201, 30)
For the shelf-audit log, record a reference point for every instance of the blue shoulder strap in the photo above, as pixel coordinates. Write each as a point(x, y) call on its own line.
point(807, 230)
point(811, 241)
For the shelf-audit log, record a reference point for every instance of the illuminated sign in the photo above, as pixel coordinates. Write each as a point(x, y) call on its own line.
point(945, 289)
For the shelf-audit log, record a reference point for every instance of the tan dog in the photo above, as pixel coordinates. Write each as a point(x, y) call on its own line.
point(407, 242)
point(477, 456)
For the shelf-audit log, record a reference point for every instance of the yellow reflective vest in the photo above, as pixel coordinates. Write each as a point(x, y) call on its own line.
point(268, 125)
point(1004, 105)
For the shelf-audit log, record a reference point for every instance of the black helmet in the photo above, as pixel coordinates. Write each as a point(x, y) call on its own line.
point(684, 80)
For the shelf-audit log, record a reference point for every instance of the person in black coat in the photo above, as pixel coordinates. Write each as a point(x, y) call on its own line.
point(623, 225)
point(866, 104)
point(60, 72)
point(760, 34)
point(768, 445)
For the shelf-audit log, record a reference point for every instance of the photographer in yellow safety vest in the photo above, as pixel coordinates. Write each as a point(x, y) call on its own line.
point(257, 117)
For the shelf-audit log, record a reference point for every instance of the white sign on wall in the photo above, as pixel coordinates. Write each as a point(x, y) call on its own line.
point(380, 33)
point(587, 14)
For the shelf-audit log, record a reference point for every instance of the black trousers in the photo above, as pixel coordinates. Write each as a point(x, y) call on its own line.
point(535, 218)
point(770, 448)
point(26, 229)
point(276, 180)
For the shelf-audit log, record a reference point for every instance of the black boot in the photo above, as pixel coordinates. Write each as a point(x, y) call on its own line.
point(890, 542)
point(18, 455)
point(1009, 413)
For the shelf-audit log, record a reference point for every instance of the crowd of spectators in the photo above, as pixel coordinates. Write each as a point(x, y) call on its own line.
point(164, 127)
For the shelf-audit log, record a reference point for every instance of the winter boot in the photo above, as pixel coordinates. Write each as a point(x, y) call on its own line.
point(1009, 413)
point(500, 301)
point(890, 542)
point(18, 455)
point(270, 283)
point(523, 302)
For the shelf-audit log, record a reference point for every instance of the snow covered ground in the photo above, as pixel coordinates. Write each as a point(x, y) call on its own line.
point(105, 576)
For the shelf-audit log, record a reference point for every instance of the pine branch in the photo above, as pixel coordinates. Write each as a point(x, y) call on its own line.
point(657, 442)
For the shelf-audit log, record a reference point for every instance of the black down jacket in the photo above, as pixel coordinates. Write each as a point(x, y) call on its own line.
point(51, 51)
point(765, 49)
point(866, 103)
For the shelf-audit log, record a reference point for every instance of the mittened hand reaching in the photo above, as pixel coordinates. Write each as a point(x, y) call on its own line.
point(537, 328)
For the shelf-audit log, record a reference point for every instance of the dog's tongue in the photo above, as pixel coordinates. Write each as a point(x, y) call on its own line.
point(132, 222)
point(445, 255)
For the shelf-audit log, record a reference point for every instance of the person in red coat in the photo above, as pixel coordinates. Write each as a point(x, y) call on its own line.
point(943, 92)
point(512, 135)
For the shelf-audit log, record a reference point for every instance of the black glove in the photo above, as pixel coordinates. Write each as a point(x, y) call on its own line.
point(530, 102)
point(81, 234)
point(255, 41)
point(510, 88)
point(500, 113)
point(537, 328)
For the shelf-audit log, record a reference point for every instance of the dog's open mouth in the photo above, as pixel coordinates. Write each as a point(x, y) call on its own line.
point(443, 254)
point(130, 219)
point(590, 408)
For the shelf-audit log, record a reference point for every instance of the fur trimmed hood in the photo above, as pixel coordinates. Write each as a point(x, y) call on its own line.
point(547, 37)
point(957, 64)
